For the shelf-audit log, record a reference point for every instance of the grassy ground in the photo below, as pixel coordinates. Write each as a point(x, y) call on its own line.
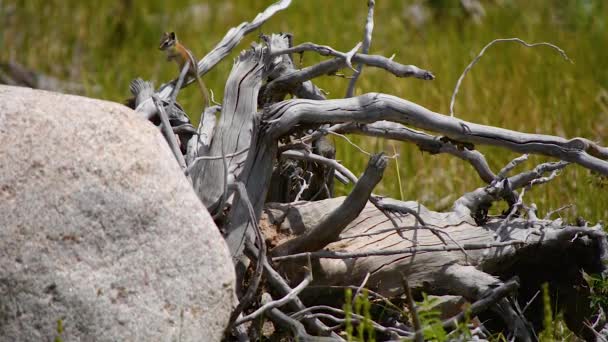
point(105, 44)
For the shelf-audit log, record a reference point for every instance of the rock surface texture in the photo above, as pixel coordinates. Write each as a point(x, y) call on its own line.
point(98, 229)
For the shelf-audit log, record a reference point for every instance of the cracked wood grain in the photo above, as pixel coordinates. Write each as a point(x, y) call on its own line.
point(234, 129)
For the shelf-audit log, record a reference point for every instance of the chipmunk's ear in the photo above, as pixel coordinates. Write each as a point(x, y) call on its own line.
point(173, 36)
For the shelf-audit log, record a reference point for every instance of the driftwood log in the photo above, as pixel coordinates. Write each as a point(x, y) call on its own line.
point(265, 170)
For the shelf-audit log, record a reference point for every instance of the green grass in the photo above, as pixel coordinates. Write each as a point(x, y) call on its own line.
point(105, 44)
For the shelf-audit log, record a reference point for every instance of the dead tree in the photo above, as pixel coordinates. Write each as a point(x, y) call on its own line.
point(305, 249)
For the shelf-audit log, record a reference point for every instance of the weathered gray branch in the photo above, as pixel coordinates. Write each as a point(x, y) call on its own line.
point(280, 285)
point(282, 65)
point(331, 226)
point(279, 302)
point(304, 155)
point(482, 198)
point(247, 298)
point(355, 318)
point(168, 132)
point(476, 59)
point(424, 141)
point(482, 304)
point(296, 327)
point(283, 116)
point(289, 82)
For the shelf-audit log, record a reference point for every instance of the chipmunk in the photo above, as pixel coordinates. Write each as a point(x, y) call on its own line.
point(181, 55)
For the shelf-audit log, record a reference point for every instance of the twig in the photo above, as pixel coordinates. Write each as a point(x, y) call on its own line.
point(213, 98)
point(445, 248)
point(197, 159)
point(360, 287)
point(395, 206)
point(367, 41)
point(296, 327)
point(530, 301)
point(476, 59)
point(552, 212)
point(323, 50)
point(331, 66)
point(474, 202)
point(305, 155)
point(412, 308)
point(350, 142)
point(425, 142)
point(307, 313)
point(369, 292)
point(279, 302)
point(510, 166)
point(519, 203)
point(178, 85)
point(280, 285)
point(289, 82)
point(169, 135)
point(305, 184)
point(597, 335)
point(357, 318)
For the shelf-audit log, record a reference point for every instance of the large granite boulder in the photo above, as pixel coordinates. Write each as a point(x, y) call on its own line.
point(100, 232)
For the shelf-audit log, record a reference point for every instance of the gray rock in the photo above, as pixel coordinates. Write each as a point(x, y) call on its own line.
point(100, 230)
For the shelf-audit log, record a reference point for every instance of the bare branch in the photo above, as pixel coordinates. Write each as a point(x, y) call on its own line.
point(296, 327)
point(476, 59)
point(282, 65)
point(367, 41)
point(424, 141)
point(279, 285)
point(510, 166)
point(261, 257)
point(286, 83)
point(329, 229)
point(486, 300)
point(356, 319)
point(305, 155)
point(412, 308)
point(520, 202)
point(178, 85)
point(360, 287)
point(480, 199)
point(279, 302)
point(397, 69)
point(283, 116)
point(553, 212)
point(168, 132)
